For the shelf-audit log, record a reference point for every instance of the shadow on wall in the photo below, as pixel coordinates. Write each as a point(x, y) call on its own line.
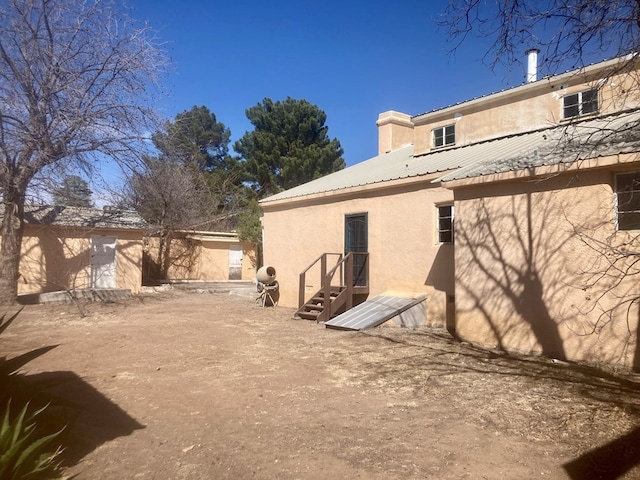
point(178, 259)
point(58, 261)
point(441, 278)
point(506, 263)
point(518, 270)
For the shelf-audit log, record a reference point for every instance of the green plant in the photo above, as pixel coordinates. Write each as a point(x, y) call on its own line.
point(28, 439)
point(13, 382)
point(25, 455)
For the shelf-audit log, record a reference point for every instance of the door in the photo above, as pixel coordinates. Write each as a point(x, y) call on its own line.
point(235, 262)
point(355, 240)
point(103, 262)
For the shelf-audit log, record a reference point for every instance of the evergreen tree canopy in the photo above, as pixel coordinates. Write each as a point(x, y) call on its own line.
point(74, 192)
point(288, 146)
point(195, 137)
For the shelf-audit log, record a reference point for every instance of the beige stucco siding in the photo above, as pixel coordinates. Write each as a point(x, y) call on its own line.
point(532, 275)
point(527, 108)
point(200, 257)
point(55, 258)
point(214, 260)
point(404, 253)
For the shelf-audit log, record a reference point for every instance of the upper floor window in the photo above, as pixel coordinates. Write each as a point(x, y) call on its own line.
point(628, 201)
point(580, 103)
point(445, 224)
point(444, 136)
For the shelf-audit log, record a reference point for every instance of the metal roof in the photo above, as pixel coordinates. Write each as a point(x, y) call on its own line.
point(373, 312)
point(394, 165)
point(65, 216)
point(568, 143)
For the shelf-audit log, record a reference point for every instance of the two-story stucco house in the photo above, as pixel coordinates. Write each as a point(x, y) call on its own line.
point(516, 214)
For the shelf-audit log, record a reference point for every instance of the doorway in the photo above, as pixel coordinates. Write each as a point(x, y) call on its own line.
point(356, 240)
point(103, 262)
point(235, 262)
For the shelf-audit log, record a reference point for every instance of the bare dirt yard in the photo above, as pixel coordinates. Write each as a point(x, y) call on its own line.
point(181, 385)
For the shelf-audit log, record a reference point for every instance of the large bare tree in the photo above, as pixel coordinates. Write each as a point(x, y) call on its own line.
point(75, 78)
point(569, 33)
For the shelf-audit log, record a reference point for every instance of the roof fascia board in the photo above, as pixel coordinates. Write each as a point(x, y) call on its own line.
point(545, 170)
point(339, 195)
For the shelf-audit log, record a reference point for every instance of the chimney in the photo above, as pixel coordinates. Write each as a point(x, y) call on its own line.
point(532, 64)
point(395, 130)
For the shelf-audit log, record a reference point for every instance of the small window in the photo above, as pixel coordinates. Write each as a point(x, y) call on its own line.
point(445, 224)
point(628, 201)
point(444, 136)
point(581, 103)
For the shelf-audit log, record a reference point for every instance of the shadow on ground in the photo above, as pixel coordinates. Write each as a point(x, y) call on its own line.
point(93, 418)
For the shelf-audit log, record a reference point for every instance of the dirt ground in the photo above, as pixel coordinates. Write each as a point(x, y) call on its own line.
point(184, 385)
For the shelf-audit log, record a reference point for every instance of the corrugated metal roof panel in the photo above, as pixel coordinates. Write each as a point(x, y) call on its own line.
point(562, 144)
point(553, 145)
point(377, 169)
point(373, 312)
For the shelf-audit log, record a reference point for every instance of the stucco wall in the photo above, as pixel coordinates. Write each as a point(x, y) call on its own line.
point(55, 258)
point(202, 259)
point(532, 268)
point(404, 254)
point(215, 261)
point(539, 105)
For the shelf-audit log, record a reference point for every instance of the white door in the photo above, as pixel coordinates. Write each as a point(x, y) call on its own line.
point(103, 262)
point(235, 262)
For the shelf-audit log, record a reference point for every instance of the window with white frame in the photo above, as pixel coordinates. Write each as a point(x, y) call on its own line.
point(628, 201)
point(580, 103)
point(445, 223)
point(444, 136)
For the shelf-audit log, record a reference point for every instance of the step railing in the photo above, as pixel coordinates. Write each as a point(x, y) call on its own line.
point(322, 259)
point(344, 267)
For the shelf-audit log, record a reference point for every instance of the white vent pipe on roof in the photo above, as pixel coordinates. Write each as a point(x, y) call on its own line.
point(532, 64)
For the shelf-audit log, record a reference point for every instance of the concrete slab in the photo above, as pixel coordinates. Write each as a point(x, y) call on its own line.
point(86, 295)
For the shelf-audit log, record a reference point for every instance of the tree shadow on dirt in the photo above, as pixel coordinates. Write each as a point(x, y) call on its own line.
point(93, 419)
point(448, 356)
point(609, 461)
point(443, 356)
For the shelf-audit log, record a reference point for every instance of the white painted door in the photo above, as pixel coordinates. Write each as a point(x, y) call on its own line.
point(103, 262)
point(235, 262)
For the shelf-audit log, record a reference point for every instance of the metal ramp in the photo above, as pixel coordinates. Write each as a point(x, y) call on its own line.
point(373, 312)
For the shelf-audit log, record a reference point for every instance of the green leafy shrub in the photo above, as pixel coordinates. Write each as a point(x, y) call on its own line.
point(30, 438)
point(24, 454)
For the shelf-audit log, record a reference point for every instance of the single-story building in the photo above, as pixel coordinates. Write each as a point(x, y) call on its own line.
point(202, 256)
point(72, 248)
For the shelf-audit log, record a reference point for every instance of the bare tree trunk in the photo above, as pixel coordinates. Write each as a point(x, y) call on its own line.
point(11, 230)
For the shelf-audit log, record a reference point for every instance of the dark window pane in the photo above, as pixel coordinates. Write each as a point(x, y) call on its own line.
point(571, 107)
point(438, 137)
point(628, 182)
point(589, 101)
point(450, 135)
point(629, 201)
point(628, 220)
point(445, 224)
point(446, 237)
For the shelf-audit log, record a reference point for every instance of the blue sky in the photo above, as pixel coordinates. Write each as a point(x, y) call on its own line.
point(353, 59)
